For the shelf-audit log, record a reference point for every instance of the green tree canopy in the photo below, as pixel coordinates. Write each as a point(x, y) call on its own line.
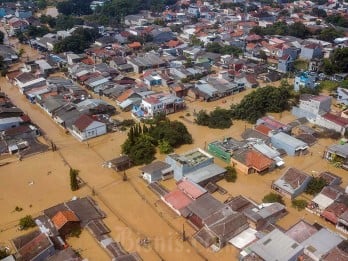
point(26, 222)
point(216, 119)
point(74, 185)
point(273, 197)
point(315, 185)
point(231, 174)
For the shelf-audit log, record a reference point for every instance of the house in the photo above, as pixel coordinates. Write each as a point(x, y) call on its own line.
point(292, 183)
point(249, 80)
point(220, 227)
point(146, 61)
point(320, 243)
point(249, 161)
point(285, 63)
point(120, 163)
point(336, 210)
point(340, 252)
point(86, 127)
point(311, 106)
point(272, 124)
point(153, 79)
point(311, 51)
point(324, 199)
point(178, 201)
point(8, 53)
point(265, 214)
point(225, 149)
point(155, 171)
point(291, 145)
point(11, 122)
point(333, 122)
point(65, 222)
point(342, 95)
point(159, 103)
point(338, 154)
point(34, 246)
point(305, 80)
point(301, 231)
point(274, 246)
point(203, 208)
point(197, 165)
point(342, 222)
point(330, 178)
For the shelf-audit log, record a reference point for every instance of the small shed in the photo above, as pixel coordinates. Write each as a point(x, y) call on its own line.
point(120, 163)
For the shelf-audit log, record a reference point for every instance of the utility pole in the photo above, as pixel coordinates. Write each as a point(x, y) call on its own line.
point(183, 233)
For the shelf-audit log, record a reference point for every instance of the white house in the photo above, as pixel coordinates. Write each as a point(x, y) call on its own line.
point(86, 127)
point(342, 95)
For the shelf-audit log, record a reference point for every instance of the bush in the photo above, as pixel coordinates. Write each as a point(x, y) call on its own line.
point(315, 185)
point(231, 174)
point(75, 232)
point(18, 209)
point(217, 119)
point(299, 204)
point(4, 253)
point(273, 197)
point(26, 222)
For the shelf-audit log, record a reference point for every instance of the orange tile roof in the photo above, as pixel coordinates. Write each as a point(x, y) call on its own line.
point(257, 160)
point(125, 95)
point(63, 217)
point(134, 45)
point(263, 129)
point(173, 43)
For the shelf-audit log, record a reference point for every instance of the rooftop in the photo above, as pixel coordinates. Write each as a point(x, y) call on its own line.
point(301, 231)
point(276, 246)
point(292, 179)
point(191, 158)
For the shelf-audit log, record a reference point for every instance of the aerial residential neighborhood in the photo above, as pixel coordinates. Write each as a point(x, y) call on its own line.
point(174, 130)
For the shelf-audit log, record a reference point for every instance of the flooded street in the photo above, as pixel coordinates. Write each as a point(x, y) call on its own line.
point(133, 211)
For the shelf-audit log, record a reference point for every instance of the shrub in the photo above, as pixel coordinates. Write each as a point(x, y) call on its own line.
point(299, 204)
point(217, 119)
point(273, 197)
point(74, 185)
point(165, 147)
point(26, 222)
point(315, 185)
point(231, 174)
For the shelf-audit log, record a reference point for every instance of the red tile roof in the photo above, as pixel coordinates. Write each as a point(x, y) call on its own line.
point(191, 189)
point(125, 95)
point(83, 122)
point(336, 119)
point(63, 217)
point(263, 129)
point(177, 199)
point(173, 43)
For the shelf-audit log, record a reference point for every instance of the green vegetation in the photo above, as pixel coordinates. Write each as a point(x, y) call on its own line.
point(18, 209)
point(337, 20)
point(259, 102)
point(217, 119)
point(315, 185)
point(74, 7)
point(329, 85)
point(80, 40)
point(74, 185)
point(231, 174)
point(75, 232)
point(223, 49)
point(26, 222)
point(165, 147)
point(141, 143)
point(281, 28)
point(273, 197)
point(329, 34)
point(337, 63)
point(301, 65)
point(299, 204)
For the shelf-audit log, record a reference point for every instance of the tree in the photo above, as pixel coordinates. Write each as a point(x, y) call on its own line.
point(315, 185)
point(26, 222)
point(216, 119)
point(75, 7)
point(259, 102)
point(329, 34)
point(273, 197)
point(165, 147)
point(299, 204)
point(74, 185)
point(338, 20)
point(41, 4)
point(231, 174)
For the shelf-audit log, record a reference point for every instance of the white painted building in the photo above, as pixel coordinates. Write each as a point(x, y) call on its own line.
point(86, 127)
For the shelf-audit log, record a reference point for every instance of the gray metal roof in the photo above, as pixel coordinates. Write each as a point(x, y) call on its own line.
point(276, 246)
point(287, 139)
point(320, 243)
point(205, 173)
